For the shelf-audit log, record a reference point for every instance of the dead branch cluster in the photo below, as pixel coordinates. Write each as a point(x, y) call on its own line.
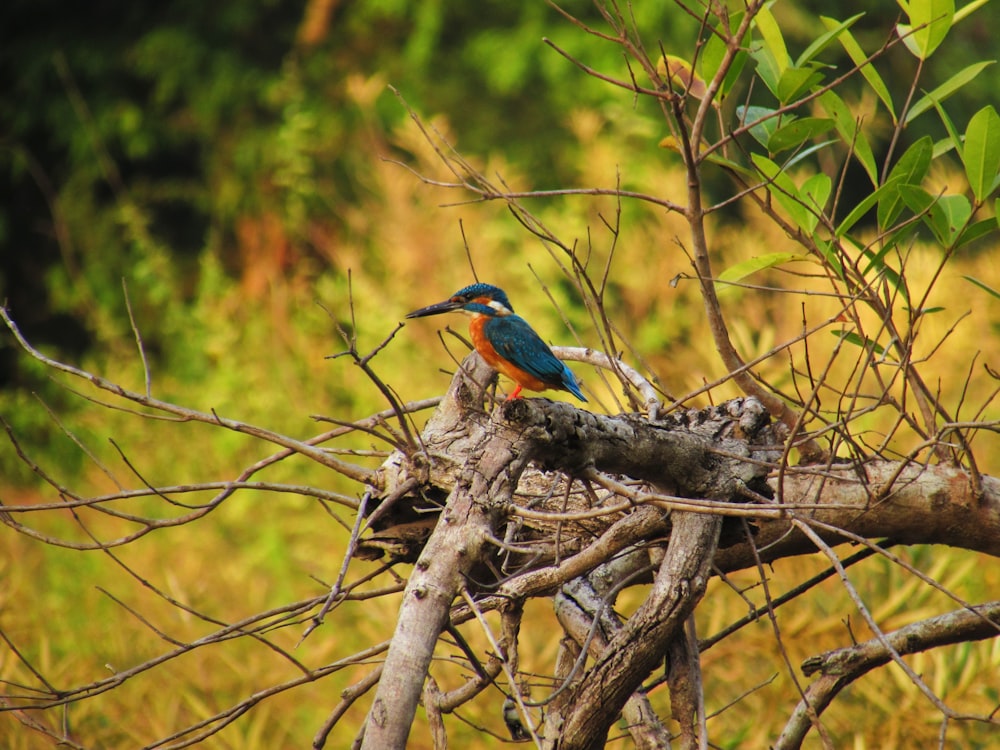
point(538, 499)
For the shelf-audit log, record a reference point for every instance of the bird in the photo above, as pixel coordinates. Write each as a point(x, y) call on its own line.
point(506, 341)
point(513, 720)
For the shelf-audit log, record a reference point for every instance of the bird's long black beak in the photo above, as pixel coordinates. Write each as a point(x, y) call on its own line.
point(441, 307)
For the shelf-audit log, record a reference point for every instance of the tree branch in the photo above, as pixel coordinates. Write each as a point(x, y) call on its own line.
point(913, 504)
point(841, 667)
point(641, 645)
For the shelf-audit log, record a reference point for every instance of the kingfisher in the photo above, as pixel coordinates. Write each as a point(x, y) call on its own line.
point(506, 341)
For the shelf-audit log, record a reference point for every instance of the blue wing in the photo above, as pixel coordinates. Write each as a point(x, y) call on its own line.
point(516, 341)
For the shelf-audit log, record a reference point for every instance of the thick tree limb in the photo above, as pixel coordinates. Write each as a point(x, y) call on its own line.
point(687, 699)
point(641, 645)
point(915, 504)
point(584, 609)
point(492, 471)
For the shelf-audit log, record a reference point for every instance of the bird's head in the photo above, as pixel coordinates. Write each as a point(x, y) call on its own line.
point(476, 299)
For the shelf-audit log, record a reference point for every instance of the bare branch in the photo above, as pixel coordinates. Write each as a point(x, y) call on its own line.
point(351, 471)
point(839, 668)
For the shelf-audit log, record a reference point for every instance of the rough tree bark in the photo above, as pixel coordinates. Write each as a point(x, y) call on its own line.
point(641, 645)
point(909, 504)
point(584, 608)
point(483, 490)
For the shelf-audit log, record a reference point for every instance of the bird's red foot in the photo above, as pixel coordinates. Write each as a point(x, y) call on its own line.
point(515, 394)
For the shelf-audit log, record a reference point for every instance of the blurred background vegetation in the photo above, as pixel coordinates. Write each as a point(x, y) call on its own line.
point(234, 167)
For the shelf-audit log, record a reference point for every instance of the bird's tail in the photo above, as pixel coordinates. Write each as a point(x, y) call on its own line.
point(571, 384)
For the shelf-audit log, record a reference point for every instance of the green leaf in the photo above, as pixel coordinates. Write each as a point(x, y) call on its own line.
point(864, 207)
point(924, 204)
point(957, 211)
point(815, 192)
point(981, 152)
point(796, 81)
point(943, 147)
point(714, 52)
point(774, 43)
point(718, 159)
point(976, 231)
point(795, 133)
point(858, 56)
point(712, 55)
point(956, 139)
point(834, 30)
point(876, 260)
point(985, 287)
point(913, 164)
point(784, 192)
point(863, 342)
point(758, 263)
point(966, 10)
point(900, 235)
point(930, 21)
point(947, 215)
point(767, 68)
point(916, 198)
point(946, 89)
point(765, 128)
point(829, 254)
point(733, 76)
point(711, 59)
point(771, 55)
point(909, 170)
point(851, 133)
point(806, 152)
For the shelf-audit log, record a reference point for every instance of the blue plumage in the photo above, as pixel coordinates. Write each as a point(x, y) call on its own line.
point(516, 341)
point(475, 291)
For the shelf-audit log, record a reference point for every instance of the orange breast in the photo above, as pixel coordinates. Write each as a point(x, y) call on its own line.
point(494, 360)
